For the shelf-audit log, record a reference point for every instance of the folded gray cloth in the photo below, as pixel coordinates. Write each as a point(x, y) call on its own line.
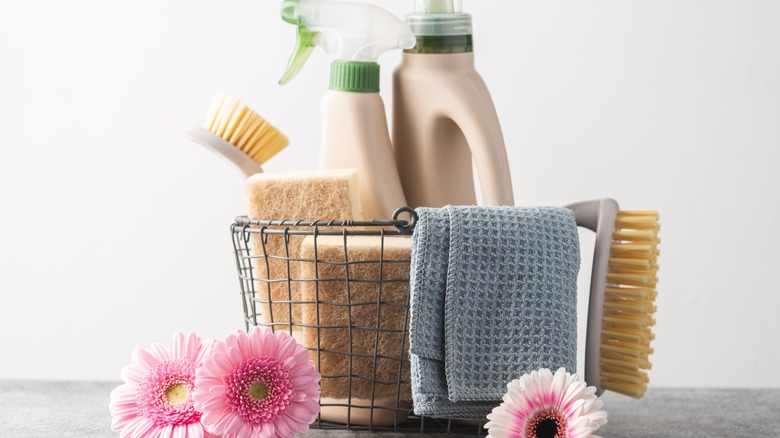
point(493, 296)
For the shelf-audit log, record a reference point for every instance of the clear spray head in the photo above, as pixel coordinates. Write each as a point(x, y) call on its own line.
point(351, 31)
point(438, 6)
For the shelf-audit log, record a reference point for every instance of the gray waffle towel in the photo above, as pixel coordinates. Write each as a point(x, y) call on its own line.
point(493, 296)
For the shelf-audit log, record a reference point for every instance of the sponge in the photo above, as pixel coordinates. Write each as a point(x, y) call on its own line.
point(331, 195)
point(376, 350)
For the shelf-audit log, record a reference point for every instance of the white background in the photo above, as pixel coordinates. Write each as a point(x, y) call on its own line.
point(114, 229)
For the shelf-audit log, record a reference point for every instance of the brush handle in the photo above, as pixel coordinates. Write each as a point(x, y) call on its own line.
point(598, 216)
point(216, 144)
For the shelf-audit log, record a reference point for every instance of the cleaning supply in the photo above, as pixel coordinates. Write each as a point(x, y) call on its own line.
point(443, 115)
point(354, 124)
point(622, 295)
point(328, 194)
point(356, 328)
point(238, 134)
point(493, 296)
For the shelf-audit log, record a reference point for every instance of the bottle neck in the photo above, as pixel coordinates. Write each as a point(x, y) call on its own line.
point(354, 76)
point(442, 44)
point(461, 62)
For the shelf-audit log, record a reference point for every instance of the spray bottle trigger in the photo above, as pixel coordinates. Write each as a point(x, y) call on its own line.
point(307, 42)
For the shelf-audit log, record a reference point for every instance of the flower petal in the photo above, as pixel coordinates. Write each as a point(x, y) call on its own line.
point(142, 428)
point(234, 424)
point(132, 373)
point(194, 430)
point(235, 355)
point(285, 347)
point(261, 345)
point(144, 359)
point(268, 430)
point(282, 429)
point(160, 352)
point(223, 363)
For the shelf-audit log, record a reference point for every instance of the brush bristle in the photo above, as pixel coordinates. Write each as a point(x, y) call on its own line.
point(239, 125)
point(629, 303)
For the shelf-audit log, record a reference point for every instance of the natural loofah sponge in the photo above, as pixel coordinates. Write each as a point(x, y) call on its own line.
point(376, 312)
point(331, 195)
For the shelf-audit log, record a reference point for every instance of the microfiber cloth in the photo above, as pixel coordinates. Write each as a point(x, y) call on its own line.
point(493, 296)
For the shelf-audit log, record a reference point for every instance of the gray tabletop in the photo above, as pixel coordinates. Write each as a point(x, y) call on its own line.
point(79, 409)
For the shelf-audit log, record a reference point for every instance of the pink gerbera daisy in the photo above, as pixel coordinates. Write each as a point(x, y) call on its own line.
point(155, 399)
point(543, 405)
point(257, 384)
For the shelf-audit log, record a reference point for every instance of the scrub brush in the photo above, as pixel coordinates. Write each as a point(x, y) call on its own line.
point(238, 134)
point(622, 295)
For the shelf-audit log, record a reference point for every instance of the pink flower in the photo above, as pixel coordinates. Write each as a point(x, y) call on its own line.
point(257, 384)
point(155, 399)
point(543, 405)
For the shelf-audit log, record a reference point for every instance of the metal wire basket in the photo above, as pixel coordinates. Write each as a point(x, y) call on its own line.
point(342, 290)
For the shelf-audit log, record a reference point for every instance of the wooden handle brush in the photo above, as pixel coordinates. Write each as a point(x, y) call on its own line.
point(622, 295)
point(238, 134)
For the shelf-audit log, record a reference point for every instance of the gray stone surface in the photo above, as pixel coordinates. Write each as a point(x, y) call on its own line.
point(79, 409)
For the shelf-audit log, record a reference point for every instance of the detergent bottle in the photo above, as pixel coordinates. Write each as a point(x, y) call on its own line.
point(354, 123)
point(443, 116)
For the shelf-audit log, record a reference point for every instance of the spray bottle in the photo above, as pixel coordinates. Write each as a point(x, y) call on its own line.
point(354, 134)
point(444, 117)
point(354, 124)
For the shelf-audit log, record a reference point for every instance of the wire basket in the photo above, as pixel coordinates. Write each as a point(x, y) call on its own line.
point(341, 289)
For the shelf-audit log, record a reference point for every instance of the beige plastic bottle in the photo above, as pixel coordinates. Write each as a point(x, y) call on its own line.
point(355, 135)
point(354, 123)
point(444, 117)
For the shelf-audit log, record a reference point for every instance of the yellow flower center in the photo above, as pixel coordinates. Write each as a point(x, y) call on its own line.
point(258, 391)
point(176, 394)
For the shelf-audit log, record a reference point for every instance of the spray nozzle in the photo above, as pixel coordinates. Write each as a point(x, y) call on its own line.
point(349, 30)
point(290, 11)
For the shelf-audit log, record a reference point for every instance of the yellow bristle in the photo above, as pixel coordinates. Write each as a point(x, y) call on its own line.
point(224, 117)
point(626, 348)
point(629, 262)
point(629, 303)
point(621, 375)
point(631, 292)
point(632, 248)
point(626, 361)
point(216, 104)
point(631, 306)
point(629, 334)
point(244, 137)
point(647, 213)
point(632, 390)
point(635, 235)
point(634, 321)
point(631, 279)
point(252, 141)
point(239, 125)
point(235, 120)
point(638, 222)
point(620, 362)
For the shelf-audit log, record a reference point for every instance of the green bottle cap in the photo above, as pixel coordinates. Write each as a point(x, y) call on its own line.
point(441, 27)
point(439, 18)
point(354, 76)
